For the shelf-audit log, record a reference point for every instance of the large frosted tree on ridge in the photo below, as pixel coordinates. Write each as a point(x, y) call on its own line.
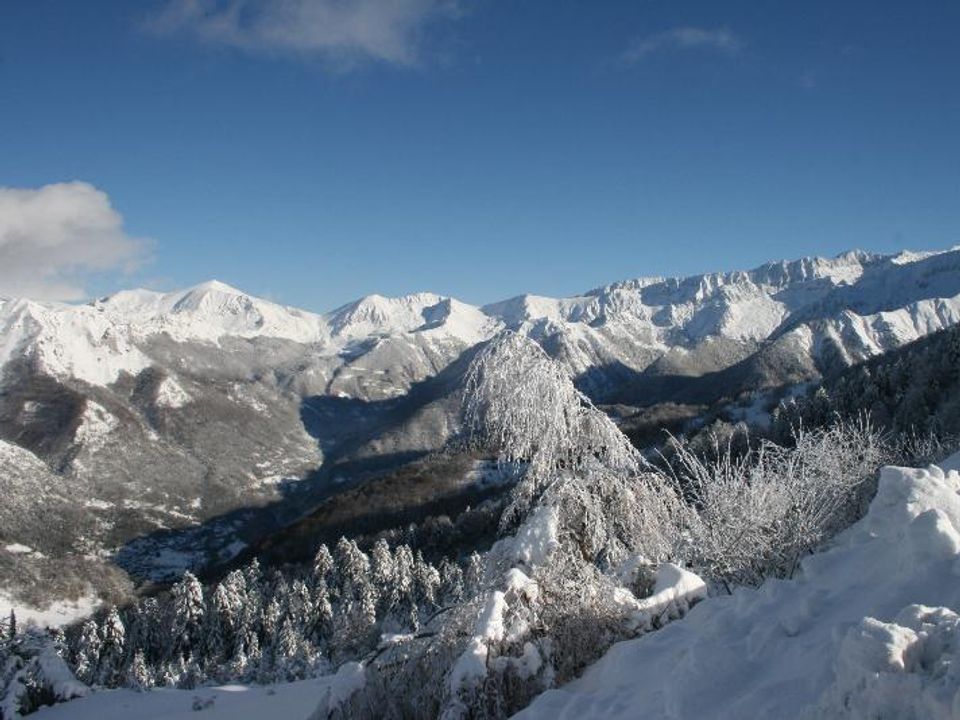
point(522, 405)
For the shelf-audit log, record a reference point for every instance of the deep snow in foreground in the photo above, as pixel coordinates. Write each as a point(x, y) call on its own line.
point(283, 701)
point(868, 629)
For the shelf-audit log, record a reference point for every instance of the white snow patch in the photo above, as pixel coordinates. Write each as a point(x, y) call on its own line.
point(170, 394)
point(676, 590)
point(296, 701)
point(98, 504)
point(18, 549)
point(96, 424)
point(537, 537)
point(59, 613)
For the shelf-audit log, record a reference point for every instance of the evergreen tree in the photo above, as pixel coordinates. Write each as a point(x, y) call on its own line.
point(427, 580)
point(86, 655)
point(451, 583)
point(473, 575)
point(138, 676)
point(357, 616)
point(112, 638)
point(187, 614)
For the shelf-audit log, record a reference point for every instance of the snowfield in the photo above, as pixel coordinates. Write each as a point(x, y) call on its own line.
point(868, 629)
point(286, 701)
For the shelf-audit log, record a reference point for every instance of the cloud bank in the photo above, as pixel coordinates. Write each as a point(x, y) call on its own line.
point(342, 32)
point(717, 40)
point(54, 238)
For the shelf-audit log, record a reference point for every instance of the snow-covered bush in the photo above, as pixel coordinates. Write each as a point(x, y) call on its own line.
point(756, 514)
point(33, 673)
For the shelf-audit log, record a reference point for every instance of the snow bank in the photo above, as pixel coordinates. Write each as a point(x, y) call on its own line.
point(289, 701)
point(909, 668)
point(870, 624)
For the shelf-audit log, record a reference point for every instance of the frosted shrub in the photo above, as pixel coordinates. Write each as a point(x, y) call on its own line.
point(758, 513)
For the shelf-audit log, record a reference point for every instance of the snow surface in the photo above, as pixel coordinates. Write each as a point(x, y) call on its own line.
point(869, 629)
point(96, 423)
point(286, 701)
point(62, 612)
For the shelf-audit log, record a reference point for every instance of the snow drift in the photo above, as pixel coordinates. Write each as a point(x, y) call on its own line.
point(868, 628)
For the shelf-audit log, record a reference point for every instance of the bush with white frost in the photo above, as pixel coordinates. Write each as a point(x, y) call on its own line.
point(756, 514)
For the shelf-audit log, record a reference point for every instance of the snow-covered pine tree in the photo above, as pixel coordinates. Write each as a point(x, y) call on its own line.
point(473, 575)
point(427, 582)
point(382, 575)
point(227, 603)
point(356, 616)
point(112, 649)
point(403, 613)
point(86, 653)
point(187, 607)
point(138, 675)
point(451, 583)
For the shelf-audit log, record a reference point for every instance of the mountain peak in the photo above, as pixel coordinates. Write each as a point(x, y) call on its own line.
point(214, 286)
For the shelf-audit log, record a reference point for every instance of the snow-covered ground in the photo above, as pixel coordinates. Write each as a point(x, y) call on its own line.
point(283, 701)
point(867, 630)
point(62, 612)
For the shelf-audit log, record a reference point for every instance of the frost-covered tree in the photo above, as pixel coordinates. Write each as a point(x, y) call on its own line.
point(112, 648)
point(427, 581)
point(451, 583)
point(138, 675)
point(86, 654)
point(383, 576)
point(473, 575)
point(522, 405)
point(187, 607)
point(33, 674)
point(758, 513)
point(356, 617)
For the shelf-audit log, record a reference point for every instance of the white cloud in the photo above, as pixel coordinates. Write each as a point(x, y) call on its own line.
point(55, 237)
point(717, 40)
point(342, 32)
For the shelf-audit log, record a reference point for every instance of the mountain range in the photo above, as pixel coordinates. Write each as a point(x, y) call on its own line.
point(143, 433)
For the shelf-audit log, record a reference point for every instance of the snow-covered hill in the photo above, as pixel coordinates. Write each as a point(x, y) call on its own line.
point(869, 629)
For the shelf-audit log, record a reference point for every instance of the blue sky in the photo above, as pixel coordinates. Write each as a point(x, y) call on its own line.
point(314, 151)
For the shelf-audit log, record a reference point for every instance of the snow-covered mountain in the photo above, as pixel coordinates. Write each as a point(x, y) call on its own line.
point(211, 409)
point(852, 306)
